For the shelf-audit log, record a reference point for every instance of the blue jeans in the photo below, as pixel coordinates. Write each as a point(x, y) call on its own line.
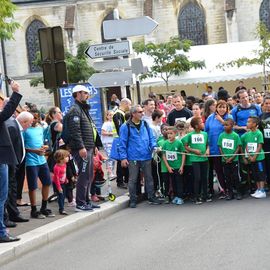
point(3, 196)
point(61, 197)
point(134, 169)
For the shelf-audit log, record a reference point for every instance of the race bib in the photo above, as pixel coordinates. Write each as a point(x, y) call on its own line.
point(183, 119)
point(228, 144)
point(266, 133)
point(197, 139)
point(252, 147)
point(171, 156)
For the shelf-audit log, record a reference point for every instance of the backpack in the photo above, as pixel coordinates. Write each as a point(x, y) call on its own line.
point(65, 134)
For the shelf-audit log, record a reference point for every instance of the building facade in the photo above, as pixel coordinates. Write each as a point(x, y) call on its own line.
point(203, 21)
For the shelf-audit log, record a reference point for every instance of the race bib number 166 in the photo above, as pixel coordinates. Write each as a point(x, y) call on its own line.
point(197, 139)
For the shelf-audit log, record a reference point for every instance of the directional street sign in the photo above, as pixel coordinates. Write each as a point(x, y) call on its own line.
point(107, 79)
point(110, 49)
point(128, 27)
point(112, 64)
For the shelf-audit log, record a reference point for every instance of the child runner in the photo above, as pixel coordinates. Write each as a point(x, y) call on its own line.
point(174, 162)
point(229, 144)
point(164, 171)
point(196, 143)
point(59, 178)
point(254, 155)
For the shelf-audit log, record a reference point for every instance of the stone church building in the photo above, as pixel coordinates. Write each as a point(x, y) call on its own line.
point(202, 21)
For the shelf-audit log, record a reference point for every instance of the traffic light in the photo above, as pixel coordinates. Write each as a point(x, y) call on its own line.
point(52, 56)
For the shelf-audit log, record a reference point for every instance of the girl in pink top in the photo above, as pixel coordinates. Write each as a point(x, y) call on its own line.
point(59, 178)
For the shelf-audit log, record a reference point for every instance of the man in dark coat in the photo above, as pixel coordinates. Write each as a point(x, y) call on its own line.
point(7, 157)
point(15, 127)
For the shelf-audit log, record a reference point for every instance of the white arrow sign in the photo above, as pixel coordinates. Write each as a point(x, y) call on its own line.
point(128, 27)
point(121, 78)
point(112, 64)
point(110, 49)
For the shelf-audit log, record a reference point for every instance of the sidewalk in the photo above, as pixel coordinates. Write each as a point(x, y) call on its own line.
point(38, 232)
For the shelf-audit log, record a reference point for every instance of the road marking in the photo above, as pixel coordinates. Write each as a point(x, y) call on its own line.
point(175, 233)
point(205, 232)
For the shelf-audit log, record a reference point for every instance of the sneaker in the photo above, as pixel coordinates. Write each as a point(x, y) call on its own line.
point(230, 197)
point(154, 201)
point(71, 204)
point(179, 201)
point(167, 200)
point(254, 193)
point(175, 200)
point(83, 208)
point(47, 212)
point(132, 205)
point(239, 196)
point(63, 212)
point(37, 215)
point(260, 195)
point(198, 201)
point(94, 198)
point(222, 195)
point(207, 199)
point(122, 185)
point(93, 205)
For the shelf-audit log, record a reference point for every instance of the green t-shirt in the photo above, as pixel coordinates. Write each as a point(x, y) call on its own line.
point(250, 141)
point(188, 161)
point(160, 143)
point(197, 140)
point(229, 142)
point(170, 150)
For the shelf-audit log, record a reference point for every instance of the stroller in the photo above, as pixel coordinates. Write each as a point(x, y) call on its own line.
point(100, 182)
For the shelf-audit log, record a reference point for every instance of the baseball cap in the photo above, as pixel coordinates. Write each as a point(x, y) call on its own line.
point(79, 88)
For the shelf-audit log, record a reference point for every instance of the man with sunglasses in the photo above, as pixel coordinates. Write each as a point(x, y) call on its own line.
point(136, 146)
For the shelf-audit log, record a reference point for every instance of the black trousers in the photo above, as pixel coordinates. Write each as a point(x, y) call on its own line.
point(200, 173)
point(177, 183)
point(122, 173)
point(188, 180)
point(11, 202)
point(20, 176)
point(231, 176)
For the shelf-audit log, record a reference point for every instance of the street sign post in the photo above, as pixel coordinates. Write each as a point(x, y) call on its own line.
point(128, 27)
point(107, 79)
point(110, 49)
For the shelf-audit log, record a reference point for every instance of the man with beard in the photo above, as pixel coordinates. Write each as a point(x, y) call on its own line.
point(83, 137)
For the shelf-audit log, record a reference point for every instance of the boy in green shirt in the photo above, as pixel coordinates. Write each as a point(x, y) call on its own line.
point(161, 140)
point(229, 144)
point(174, 162)
point(252, 142)
point(196, 143)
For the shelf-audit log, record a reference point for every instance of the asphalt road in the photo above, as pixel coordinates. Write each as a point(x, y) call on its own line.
point(220, 235)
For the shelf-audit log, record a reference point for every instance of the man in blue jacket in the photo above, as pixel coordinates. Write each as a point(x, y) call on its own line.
point(136, 146)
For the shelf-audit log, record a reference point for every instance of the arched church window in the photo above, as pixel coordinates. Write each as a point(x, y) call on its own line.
point(265, 13)
point(32, 43)
point(191, 24)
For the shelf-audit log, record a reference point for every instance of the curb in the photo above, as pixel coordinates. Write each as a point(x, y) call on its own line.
point(55, 230)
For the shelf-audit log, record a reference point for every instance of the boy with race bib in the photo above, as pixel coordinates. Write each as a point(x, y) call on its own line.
point(229, 144)
point(252, 142)
point(174, 159)
point(196, 143)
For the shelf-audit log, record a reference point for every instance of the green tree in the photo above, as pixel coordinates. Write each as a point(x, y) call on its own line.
point(7, 23)
point(262, 54)
point(169, 58)
point(77, 67)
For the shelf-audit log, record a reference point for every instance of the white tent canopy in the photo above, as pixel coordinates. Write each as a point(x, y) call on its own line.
point(213, 55)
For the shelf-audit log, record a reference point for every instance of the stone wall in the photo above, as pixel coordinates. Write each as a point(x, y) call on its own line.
point(90, 14)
